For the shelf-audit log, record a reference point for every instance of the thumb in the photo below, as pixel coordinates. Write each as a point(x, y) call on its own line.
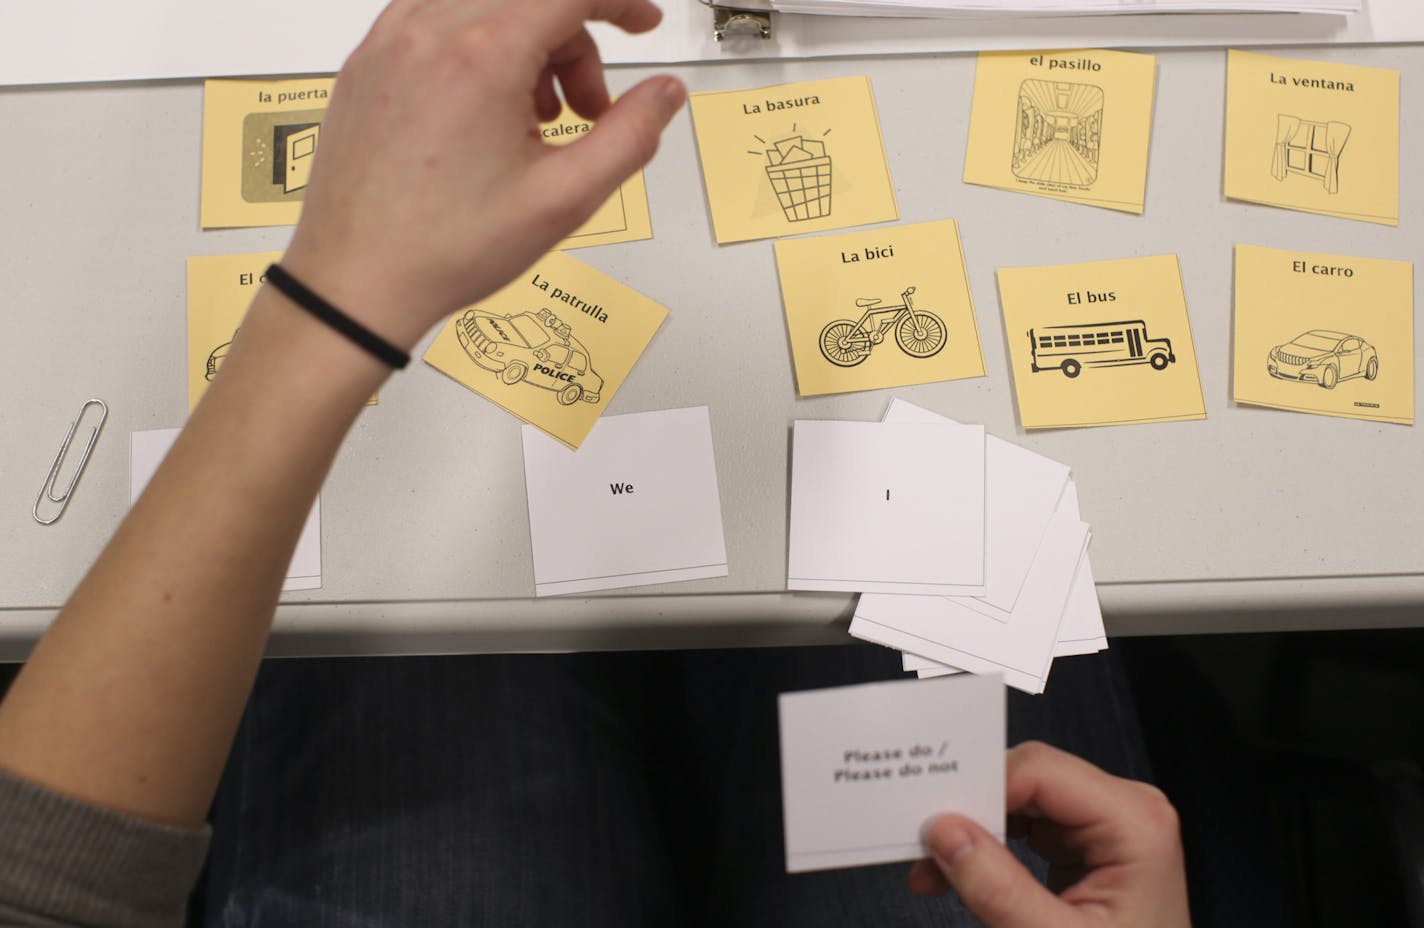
point(990, 881)
point(624, 138)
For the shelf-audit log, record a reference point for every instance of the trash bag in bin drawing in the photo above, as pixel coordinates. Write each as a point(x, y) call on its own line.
point(800, 173)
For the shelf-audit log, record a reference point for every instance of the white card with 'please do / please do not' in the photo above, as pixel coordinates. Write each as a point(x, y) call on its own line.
point(637, 504)
point(865, 769)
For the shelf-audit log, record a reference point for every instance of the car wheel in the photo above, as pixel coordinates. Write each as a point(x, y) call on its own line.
point(1329, 377)
point(1159, 362)
point(1372, 369)
point(1071, 368)
point(570, 394)
point(513, 372)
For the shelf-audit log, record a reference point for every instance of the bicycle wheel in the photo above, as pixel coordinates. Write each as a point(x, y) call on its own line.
point(843, 344)
point(921, 334)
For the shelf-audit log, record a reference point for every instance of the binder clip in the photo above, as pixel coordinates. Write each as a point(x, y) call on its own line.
point(47, 491)
point(748, 17)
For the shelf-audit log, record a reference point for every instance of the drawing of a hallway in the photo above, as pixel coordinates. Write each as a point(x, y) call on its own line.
point(1058, 136)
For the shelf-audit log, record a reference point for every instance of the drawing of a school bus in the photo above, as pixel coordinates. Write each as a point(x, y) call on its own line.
point(1070, 348)
point(531, 348)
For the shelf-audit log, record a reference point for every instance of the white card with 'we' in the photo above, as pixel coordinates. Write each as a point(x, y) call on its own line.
point(636, 504)
point(888, 508)
point(865, 769)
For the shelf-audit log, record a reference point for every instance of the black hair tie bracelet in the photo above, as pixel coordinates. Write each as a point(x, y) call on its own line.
point(298, 293)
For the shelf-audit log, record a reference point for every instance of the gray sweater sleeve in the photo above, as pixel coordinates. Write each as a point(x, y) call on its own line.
point(65, 862)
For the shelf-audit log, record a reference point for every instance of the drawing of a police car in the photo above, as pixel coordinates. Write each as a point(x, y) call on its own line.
point(533, 348)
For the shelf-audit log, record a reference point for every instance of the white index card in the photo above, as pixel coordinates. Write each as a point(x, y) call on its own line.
point(636, 504)
point(946, 631)
point(865, 769)
point(147, 449)
point(1022, 490)
point(1082, 631)
point(889, 508)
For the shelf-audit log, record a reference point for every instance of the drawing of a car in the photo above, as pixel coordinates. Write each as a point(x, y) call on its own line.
point(215, 359)
point(535, 348)
point(1325, 357)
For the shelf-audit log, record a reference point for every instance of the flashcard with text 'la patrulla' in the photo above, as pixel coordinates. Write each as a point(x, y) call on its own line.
point(552, 347)
point(1101, 343)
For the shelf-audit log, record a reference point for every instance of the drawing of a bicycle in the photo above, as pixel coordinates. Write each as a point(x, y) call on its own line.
point(920, 334)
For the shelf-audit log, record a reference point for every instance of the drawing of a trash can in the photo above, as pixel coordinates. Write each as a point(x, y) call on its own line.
point(800, 172)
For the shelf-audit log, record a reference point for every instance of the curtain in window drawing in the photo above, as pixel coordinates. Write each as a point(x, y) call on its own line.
point(1286, 127)
point(1336, 133)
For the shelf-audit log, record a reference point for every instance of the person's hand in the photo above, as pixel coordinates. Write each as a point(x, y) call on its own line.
point(1113, 848)
point(432, 187)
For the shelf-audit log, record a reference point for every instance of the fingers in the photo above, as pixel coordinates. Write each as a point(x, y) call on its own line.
point(924, 879)
point(553, 21)
point(623, 140)
point(1119, 819)
point(546, 100)
point(580, 73)
point(990, 881)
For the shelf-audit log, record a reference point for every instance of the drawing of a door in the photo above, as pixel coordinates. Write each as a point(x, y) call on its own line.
point(301, 149)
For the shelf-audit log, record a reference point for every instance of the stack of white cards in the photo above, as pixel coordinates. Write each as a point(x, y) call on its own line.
point(969, 550)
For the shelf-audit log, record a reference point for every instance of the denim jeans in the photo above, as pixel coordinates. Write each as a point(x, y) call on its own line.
point(621, 789)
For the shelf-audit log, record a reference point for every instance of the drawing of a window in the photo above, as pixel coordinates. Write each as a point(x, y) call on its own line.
point(301, 146)
point(1058, 134)
point(1311, 149)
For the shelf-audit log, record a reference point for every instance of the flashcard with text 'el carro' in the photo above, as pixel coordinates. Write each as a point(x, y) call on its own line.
point(1328, 334)
point(220, 288)
point(793, 158)
point(552, 347)
point(1101, 343)
point(1316, 136)
point(260, 140)
point(878, 308)
point(1068, 125)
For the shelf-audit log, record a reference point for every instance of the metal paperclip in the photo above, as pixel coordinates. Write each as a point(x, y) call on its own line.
point(47, 491)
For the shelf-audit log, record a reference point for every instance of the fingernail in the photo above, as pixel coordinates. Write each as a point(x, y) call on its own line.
point(950, 843)
point(674, 95)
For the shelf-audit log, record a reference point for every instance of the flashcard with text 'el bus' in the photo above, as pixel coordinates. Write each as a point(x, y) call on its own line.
point(878, 308)
point(1328, 334)
point(791, 159)
point(260, 140)
point(1101, 343)
point(1069, 125)
point(220, 288)
point(552, 347)
point(1316, 136)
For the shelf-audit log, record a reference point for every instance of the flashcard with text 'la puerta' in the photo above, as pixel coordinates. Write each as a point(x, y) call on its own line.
point(1101, 343)
point(1316, 136)
point(260, 140)
point(553, 347)
point(883, 307)
point(1068, 125)
point(794, 158)
point(1327, 334)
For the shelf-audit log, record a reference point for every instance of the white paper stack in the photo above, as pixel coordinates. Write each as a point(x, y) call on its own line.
point(983, 565)
point(987, 8)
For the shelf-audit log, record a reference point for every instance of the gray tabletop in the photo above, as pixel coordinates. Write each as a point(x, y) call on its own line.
point(1250, 519)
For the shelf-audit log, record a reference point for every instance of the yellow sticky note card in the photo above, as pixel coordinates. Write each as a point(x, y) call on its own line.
point(1315, 136)
point(878, 308)
point(1069, 125)
point(220, 288)
point(260, 139)
point(553, 347)
point(793, 158)
point(1101, 343)
point(1326, 334)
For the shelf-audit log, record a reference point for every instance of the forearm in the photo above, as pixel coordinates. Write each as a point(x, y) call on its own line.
point(130, 701)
